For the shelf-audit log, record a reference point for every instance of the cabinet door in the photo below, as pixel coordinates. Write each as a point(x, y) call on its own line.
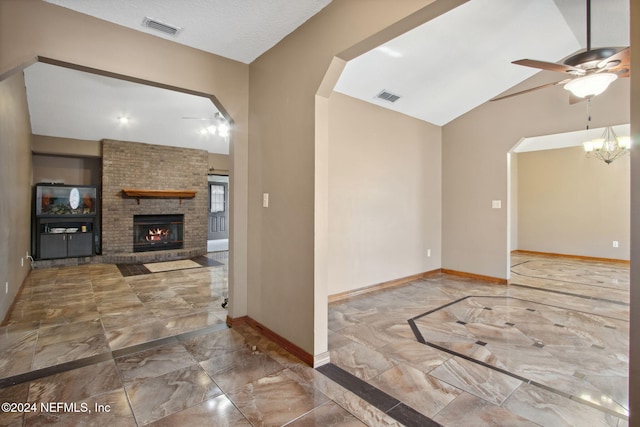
point(53, 246)
point(79, 244)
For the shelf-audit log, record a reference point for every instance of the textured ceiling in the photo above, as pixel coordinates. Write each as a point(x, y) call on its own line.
point(236, 29)
point(441, 69)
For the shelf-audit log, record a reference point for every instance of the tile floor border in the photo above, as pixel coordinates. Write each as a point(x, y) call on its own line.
point(376, 397)
point(420, 339)
point(102, 357)
point(571, 294)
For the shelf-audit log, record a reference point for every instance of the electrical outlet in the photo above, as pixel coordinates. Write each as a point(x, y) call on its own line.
point(6, 288)
point(615, 244)
point(265, 200)
point(428, 253)
point(21, 262)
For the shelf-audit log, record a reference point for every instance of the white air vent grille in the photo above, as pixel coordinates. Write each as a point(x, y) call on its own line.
point(161, 26)
point(388, 96)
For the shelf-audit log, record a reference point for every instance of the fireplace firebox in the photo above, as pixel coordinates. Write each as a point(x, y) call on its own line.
point(157, 232)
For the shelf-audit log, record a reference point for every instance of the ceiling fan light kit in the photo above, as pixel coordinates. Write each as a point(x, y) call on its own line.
point(591, 70)
point(219, 125)
point(590, 85)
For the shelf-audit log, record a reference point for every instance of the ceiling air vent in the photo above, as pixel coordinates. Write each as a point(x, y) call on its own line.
point(160, 26)
point(388, 96)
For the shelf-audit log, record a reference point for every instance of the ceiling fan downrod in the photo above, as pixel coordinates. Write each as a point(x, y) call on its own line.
point(588, 25)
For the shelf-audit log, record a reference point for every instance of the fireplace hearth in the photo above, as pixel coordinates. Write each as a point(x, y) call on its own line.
point(157, 232)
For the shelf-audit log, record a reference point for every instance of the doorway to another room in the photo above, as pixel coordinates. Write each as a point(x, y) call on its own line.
point(218, 216)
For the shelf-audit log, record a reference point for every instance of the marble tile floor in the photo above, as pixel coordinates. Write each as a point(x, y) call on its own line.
point(550, 349)
point(69, 313)
point(212, 377)
point(170, 359)
point(88, 346)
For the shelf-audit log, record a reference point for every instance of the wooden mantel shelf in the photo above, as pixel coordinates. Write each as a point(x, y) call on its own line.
point(166, 194)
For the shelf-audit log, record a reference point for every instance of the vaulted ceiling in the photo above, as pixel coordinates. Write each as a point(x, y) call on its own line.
point(439, 70)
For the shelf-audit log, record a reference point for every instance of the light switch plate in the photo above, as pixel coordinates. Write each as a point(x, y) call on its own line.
point(265, 200)
point(496, 204)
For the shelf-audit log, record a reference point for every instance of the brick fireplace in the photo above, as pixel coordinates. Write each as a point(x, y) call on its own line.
point(129, 165)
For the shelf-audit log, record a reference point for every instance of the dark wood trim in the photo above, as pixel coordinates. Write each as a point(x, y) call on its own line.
point(184, 194)
point(281, 341)
point(480, 277)
point(579, 257)
point(380, 286)
point(238, 321)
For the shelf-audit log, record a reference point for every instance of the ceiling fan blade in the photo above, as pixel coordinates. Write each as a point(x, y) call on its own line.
point(550, 66)
point(530, 90)
point(621, 58)
point(618, 63)
point(625, 72)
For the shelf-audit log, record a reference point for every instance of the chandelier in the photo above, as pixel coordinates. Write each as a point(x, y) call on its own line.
point(609, 146)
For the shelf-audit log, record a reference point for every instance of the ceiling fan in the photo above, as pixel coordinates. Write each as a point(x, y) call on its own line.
point(218, 124)
point(590, 72)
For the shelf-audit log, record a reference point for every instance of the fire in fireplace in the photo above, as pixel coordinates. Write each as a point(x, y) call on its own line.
point(157, 232)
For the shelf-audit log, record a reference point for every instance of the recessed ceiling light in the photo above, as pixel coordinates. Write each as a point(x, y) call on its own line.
point(123, 120)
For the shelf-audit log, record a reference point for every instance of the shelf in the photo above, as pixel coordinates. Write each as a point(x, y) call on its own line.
point(70, 217)
point(164, 194)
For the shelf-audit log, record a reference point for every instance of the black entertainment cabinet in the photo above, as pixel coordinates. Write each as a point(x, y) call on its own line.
point(64, 222)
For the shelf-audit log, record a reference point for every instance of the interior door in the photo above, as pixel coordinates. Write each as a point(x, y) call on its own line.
point(218, 211)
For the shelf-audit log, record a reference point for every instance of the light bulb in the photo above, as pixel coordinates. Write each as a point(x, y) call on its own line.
point(588, 146)
point(624, 142)
point(223, 130)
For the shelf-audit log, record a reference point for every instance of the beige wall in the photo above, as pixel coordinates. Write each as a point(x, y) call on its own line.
point(576, 206)
point(219, 164)
point(30, 28)
point(66, 170)
point(634, 337)
point(474, 173)
point(66, 160)
point(284, 82)
point(15, 189)
point(52, 145)
point(474, 154)
point(384, 195)
point(512, 220)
